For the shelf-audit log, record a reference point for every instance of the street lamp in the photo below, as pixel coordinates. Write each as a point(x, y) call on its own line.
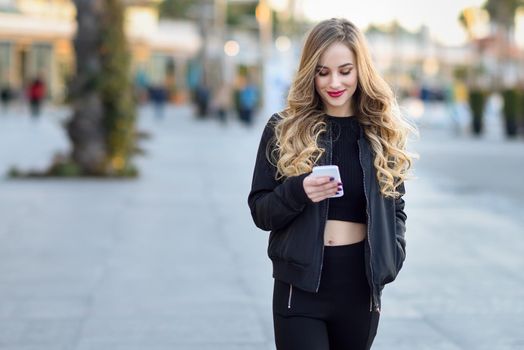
point(283, 43)
point(231, 48)
point(264, 18)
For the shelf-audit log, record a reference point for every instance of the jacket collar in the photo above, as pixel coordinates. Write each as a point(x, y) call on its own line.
point(363, 144)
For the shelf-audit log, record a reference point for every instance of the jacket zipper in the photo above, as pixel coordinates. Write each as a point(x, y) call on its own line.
point(367, 228)
point(290, 295)
point(322, 257)
point(327, 210)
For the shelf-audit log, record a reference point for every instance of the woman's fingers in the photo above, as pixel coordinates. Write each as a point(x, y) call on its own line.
point(320, 183)
point(320, 188)
point(319, 196)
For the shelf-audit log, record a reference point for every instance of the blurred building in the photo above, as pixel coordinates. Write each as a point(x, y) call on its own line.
point(36, 39)
point(410, 60)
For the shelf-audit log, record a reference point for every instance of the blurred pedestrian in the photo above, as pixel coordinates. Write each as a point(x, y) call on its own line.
point(158, 97)
point(222, 103)
point(332, 256)
point(247, 100)
point(425, 93)
point(456, 94)
point(36, 94)
point(141, 85)
point(202, 97)
point(5, 96)
point(461, 93)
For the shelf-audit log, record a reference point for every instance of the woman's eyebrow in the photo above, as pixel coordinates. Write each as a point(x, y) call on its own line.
point(342, 66)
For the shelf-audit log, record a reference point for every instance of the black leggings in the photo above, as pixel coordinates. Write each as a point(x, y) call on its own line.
point(338, 317)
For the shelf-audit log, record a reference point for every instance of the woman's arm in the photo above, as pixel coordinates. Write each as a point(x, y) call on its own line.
point(400, 227)
point(274, 205)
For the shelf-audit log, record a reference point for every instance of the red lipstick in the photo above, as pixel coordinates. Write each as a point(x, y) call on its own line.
point(336, 93)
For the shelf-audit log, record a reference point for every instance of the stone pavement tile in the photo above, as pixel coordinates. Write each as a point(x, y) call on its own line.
point(36, 347)
point(38, 288)
point(4, 227)
point(484, 290)
point(47, 266)
point(482, 332)
point(170, 306)
point(398, 307)
point(6, 308)
point(38, 332)
point(411, 334)
point(44, 308)
point(221, 327)
point(183, 289)
point(174, 346)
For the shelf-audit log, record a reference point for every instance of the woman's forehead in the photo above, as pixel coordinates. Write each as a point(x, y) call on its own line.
point(336, 55)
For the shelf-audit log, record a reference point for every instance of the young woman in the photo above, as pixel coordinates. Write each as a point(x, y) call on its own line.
point(332, 256)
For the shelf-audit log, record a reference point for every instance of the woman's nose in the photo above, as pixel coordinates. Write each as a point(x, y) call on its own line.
point(335, 81)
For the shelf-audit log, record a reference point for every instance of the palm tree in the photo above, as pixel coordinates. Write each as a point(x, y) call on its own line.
point(502, 16)
point(175, 8)
point(502, 12)
point(102, 127)
point(86, 129)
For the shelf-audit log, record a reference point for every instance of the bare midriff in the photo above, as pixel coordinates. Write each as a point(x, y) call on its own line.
point(339, 232)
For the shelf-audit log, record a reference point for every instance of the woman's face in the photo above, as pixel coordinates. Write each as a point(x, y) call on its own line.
point(336, 79)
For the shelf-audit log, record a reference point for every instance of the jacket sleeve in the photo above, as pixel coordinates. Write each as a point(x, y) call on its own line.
point(400, 227)
point(274, 204)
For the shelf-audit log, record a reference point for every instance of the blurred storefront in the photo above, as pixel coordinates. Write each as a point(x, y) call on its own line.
point(36, 40)
point(411, 61)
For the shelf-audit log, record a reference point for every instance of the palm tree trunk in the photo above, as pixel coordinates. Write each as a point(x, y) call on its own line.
point(86, 129)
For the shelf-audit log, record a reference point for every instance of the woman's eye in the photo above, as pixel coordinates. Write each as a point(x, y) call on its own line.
point(324, 73)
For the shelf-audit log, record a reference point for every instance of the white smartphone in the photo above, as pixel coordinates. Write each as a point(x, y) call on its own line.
point(329, 170)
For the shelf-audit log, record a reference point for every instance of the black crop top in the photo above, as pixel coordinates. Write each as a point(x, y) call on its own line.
point(352, 205)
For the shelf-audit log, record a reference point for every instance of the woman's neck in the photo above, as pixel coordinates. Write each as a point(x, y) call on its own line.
point(341, 114)
point(342, 111)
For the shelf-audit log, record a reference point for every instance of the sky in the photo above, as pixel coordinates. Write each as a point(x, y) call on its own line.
point(440, 16)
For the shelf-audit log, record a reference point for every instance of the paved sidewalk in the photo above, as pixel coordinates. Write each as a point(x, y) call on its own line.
point(172, 260)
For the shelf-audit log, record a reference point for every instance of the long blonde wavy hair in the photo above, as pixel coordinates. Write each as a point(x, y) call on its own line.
point(302, 121)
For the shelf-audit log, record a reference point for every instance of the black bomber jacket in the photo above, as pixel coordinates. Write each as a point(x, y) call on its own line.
point(296, 240)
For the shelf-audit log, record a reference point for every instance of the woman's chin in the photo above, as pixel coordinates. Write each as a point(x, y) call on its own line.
point(337, 103)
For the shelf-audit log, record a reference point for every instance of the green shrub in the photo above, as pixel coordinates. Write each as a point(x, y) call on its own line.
point(477, 100)
point(511, 110)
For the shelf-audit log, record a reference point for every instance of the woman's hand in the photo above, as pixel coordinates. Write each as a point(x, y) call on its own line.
point(319, 188)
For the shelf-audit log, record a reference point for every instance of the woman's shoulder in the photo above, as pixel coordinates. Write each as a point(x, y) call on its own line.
point(275, 118)
point(269, 130)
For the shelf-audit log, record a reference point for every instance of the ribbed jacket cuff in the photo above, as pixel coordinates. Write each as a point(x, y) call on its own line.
point(296, 187)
